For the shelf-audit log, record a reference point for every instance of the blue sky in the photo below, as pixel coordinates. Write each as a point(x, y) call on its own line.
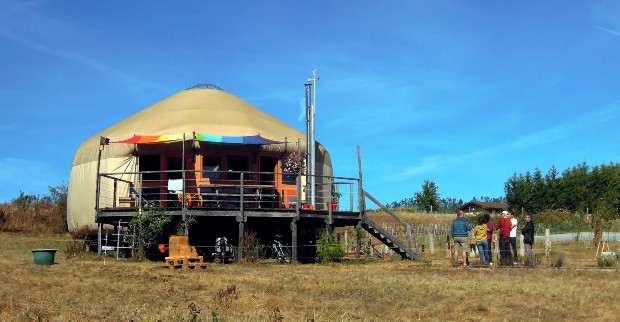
point(463, 93)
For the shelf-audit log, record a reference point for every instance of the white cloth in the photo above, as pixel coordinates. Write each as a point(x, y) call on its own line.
point(175, 185)
point(513, 231)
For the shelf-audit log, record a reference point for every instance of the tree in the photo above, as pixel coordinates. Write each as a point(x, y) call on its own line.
point(579, 189)
point(602, 215)
point(552, 182)
point(428, 199)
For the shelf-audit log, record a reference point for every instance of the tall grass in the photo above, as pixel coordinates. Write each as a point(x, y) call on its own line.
point(91, 289)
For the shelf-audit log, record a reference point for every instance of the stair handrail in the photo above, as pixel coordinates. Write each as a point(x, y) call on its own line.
point(395, 241)
point(395, 216)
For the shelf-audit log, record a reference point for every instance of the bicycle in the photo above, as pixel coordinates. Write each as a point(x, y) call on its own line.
point(275, 250)
point(224, 252)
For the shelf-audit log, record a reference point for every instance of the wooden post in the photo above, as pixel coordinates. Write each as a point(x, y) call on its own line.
point(114, 193)
point(346, 241)
point(294, 240)
point(409, 238)
point(496, 243)
point(99, 227)
point(241, 230)
point(358, 241)
point(431, 243)
point(330, 220)
point(241, 197)
point(361, 197)
point(521, 247)
point(184, 200)
point(547, 241)
point(448, 250)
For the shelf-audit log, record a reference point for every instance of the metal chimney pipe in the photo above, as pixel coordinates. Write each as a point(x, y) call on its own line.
point(308, 139)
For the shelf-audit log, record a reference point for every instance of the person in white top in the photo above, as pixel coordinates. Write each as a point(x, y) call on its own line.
point(513, 236)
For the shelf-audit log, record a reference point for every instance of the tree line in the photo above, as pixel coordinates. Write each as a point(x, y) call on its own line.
point(579, 189)
point(429, 200)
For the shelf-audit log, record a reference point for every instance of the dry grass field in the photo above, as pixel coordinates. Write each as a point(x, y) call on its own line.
point(91, 289)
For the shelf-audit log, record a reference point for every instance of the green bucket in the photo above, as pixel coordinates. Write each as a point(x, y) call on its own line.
point(44, 256)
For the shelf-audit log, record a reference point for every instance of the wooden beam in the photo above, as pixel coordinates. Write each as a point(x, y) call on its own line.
point(240, 242)
point(294, 240)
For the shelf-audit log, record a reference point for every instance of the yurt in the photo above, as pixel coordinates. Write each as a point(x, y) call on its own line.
point(205, 126)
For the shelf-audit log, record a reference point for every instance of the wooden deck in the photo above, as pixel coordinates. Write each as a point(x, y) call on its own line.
point(340, 218)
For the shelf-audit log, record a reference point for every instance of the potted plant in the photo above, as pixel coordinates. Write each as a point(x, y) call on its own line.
point(294, 163)
point(335, 196)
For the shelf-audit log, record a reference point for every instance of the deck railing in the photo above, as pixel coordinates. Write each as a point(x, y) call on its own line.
point(223, 189)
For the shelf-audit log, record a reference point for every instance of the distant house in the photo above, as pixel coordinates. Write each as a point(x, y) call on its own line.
point(490, 207)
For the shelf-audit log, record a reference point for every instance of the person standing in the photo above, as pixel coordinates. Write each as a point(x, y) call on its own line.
point(513, 237)
point(459, 230)
point(528, 240)
point(489, 223)
point(481, 240)
point(503, 229)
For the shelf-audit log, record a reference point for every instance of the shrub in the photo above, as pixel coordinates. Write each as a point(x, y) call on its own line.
point(149, 228)
point(76, 249)
point(557, 261)
point(252, 248)
point(328, 249)
point(31, 214)
point(606, 261)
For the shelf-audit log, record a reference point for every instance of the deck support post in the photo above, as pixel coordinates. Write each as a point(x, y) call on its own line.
point(184, 201)
point(240, 242)
point(294, 240)
point(358, 241)
point(99, 228)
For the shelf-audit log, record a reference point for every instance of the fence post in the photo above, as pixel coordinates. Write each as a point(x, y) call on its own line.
point(448, 254)
point(547, 241)
point(496, 243)
point(346, 241)
point(521, 247)
point(431, 243)
point(409, 236)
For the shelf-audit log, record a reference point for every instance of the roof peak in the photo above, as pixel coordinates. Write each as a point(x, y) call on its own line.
point(206, 86)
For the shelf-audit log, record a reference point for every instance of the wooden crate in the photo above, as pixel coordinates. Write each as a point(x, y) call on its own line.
point(182, 254)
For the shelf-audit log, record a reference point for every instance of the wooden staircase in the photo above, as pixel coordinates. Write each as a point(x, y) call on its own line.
point(390, 241)
point(405, 251)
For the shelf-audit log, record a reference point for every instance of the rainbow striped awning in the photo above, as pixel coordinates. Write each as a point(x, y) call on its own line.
point(250, 139)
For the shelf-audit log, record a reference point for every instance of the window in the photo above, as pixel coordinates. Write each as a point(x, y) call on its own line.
point(211, 167)
point(237, 163)
point(150, 163)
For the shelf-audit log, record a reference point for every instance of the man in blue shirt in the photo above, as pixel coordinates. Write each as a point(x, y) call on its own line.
point(460, 229)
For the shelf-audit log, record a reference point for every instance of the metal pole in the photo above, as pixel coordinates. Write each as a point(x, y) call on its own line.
point(313, 143)
point(361, 197)
point(329, 205)
point(184, 209)
point(311, 147)
point(98, 180)
point(309, 152)
point(103, 141)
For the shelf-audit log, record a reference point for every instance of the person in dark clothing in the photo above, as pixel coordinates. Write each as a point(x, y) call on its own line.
point(528, 240)
point(489, 223)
